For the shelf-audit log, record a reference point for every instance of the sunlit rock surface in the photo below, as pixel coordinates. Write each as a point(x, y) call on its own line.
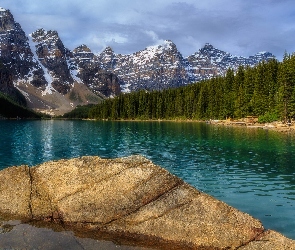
point(131, 199)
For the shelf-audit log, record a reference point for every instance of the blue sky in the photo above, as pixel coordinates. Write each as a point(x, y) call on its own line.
point(241, 27)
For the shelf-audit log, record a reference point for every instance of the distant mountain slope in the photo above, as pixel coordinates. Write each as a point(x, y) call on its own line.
point(220, 61)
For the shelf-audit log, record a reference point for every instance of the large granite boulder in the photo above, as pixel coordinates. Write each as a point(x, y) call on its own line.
point(132, 199)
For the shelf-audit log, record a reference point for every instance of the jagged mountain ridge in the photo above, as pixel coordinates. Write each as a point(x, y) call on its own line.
point(51, 76)
point(86, 69)
point(52, 56)
point(221, 61)
point(163, 66)
point(154, 68)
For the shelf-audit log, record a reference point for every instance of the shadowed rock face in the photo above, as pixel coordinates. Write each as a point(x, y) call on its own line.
point(130, 198)
point(86, 67)
point(52, 55)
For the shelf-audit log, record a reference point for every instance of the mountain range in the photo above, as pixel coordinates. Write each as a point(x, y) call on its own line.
point(55, 79)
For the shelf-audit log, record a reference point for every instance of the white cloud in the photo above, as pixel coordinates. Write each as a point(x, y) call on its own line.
point(114, 38)
point(154, 37)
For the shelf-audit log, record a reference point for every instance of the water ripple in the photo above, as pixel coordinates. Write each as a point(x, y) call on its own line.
point(251, 170)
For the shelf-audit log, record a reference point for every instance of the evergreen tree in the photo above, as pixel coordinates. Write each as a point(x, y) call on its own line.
point(228, 97)
point(239, 92)
point(286, 81)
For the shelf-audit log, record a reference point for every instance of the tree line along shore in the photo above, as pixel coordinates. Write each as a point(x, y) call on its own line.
point(266, 91)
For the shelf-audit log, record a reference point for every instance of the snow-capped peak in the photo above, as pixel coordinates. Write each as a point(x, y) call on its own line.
point(166, 45)
point(152, 51)
point(208, 46)
point(3, 12)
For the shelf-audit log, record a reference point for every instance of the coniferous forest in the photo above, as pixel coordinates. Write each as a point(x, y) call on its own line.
point(10, 109)
point(266, 91)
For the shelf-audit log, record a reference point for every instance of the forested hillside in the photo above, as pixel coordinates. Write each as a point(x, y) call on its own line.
point(10, 109)
point(267, 91)
point(79, 112)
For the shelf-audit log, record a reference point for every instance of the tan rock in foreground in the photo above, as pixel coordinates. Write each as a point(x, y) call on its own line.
point(15, 190)
point(130, 198)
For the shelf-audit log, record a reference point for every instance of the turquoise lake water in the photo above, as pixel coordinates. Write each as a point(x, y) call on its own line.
point(250, 169)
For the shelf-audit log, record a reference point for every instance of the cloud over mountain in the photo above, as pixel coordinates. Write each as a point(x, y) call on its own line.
point(240, 27)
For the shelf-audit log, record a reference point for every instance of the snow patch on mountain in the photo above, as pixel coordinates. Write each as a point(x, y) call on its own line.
point(47, 75)
point(1, 11)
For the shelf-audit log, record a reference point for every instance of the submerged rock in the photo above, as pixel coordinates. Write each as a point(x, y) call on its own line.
point(133, 200)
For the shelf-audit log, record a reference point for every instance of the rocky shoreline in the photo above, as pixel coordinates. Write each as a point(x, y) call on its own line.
point(132, 201)
point(274, 126)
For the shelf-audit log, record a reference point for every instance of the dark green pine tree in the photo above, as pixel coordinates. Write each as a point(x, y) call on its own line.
point(203, 100)
point(249, 90)
point(239, 92)
point(227, 109)
point(272, 84)
point(286, 81)
point(260, 98)
point(159, 106)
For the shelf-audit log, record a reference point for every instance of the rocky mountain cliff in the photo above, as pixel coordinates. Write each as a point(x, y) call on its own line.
point(211, 61)
point(50, 76)
point(85, 68)
point(15, 52)
point(154, 68)
point(44, 71)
